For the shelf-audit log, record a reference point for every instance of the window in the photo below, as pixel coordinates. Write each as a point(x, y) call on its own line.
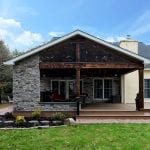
point(102, 88)
point(146, 88)
point(98, 89)
point(65, 88)
point(107, 88)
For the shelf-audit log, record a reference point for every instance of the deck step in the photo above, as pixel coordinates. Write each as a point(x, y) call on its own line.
point(112, 117)
point(114, 113)
point(110, 120)
point(98, 116)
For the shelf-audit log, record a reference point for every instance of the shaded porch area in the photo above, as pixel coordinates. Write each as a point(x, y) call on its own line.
point(92, 85)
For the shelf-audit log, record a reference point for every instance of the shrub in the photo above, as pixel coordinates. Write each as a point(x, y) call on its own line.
point(8, 115)
point(36, 114)
point(58, 116)
point(20, 121)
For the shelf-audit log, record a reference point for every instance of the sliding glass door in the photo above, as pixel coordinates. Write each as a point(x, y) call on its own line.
point(102, 89)
point(65, 88)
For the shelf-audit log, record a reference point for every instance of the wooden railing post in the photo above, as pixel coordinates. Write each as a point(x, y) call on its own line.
point(78, 107)
point(140, 102)
point(78, 82)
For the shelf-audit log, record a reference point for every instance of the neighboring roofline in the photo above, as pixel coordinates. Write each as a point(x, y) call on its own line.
point(72, 34)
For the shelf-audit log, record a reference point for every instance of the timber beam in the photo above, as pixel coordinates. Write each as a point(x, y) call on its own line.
point(84, 65)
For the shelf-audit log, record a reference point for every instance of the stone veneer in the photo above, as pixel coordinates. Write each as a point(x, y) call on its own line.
point(26, 83)
point(26, 88)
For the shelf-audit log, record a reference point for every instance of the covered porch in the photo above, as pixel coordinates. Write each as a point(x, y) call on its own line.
point(91, 83)
point(81, 68)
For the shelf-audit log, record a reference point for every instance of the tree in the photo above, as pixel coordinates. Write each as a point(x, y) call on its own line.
point(5, 71)
point(4, 52)
point(16, 53)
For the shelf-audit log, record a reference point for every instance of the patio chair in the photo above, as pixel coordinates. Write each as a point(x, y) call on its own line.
point(10, 100)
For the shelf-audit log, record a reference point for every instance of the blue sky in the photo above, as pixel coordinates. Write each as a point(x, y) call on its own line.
point(27, 23)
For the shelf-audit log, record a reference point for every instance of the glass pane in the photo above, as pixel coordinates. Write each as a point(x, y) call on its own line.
point(98, 93)
point(71, 89)
point(63, 89)
point(147, 93)
point(98, 84)
point(81, 87)
point(107, 88)
point(147, 88)
point(98, 89)
point(147, 83)
point(55, 85)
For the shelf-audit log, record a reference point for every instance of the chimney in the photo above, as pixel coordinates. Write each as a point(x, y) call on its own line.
point(129, 44)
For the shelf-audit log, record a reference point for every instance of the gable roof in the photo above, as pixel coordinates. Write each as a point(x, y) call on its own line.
point(144, 50)
point(72, 34)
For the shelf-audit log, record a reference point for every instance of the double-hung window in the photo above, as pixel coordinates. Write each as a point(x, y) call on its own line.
point(102, 88)
point(146, 88)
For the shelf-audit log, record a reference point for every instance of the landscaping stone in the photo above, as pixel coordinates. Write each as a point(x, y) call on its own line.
point(1, 124)
point(33, 123)
point(57, 122)
point(9, 123)
point(44, 122)
point(69, 121)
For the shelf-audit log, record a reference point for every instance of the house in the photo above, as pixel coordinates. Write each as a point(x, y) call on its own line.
point(52, 76)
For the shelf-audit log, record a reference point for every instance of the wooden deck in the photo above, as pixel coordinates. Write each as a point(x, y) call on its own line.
point(101, 113)
point(112, 107)
point(109, 107)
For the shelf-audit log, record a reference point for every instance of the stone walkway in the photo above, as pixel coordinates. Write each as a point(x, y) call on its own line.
point(7, 109)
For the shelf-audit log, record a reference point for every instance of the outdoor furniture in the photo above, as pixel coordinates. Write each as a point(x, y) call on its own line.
point(10, 100)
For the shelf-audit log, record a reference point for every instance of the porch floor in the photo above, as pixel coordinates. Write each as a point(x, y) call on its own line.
point(113, 113)
point(112, 107)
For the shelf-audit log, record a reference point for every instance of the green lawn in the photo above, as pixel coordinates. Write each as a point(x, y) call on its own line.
point(80, 137)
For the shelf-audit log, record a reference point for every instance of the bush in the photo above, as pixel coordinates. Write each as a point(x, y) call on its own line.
point(20, 121)
point(8, 115)
point(36, 114)
point(58, 116)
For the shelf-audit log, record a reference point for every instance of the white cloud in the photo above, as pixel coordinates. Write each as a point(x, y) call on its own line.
point(114, 38)
point(142, 24)
point(7, 23)
point(16, 37)
point(3, 33)
point(28, 38)
point(55, 34)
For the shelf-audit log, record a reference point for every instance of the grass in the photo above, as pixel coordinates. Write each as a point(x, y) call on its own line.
point(4, 105)
point(80, 137)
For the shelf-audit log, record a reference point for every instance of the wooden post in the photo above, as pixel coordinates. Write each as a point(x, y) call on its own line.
point(77, 52)
point(141, 90)
point(78, 82)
